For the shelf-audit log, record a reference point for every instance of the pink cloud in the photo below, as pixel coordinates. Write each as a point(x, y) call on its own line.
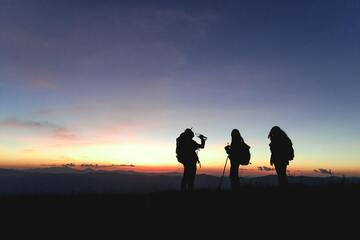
point(46, 132)
point(35, 77)
point(121, 131)
point(62, 137)
point(21, 124)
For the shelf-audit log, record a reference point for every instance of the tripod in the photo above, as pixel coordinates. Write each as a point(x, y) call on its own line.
point(222, 177)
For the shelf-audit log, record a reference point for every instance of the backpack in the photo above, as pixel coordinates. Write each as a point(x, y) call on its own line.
point(182, 152)
point(291, 153)
point(242, 156)
point(245, 155)
point(179, 149)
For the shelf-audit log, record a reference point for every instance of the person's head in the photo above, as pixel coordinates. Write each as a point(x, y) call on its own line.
point(188, 133)
point(276, 133)
point(236, 136)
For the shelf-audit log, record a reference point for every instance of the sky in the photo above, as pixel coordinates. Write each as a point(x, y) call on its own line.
point(114, 83)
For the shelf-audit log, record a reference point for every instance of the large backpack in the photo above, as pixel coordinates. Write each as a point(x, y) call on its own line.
point(291, 153)
point(180, 149)
point(245, 155)
point(185, 155)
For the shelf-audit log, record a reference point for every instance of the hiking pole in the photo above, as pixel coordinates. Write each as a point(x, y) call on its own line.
point(221, 179)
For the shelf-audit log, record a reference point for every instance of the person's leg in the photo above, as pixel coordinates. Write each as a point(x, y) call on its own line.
point(184, 181)
point(191, 176)
point(285, 177)
point(234, 176)
point(281, 172)
point(277, 169)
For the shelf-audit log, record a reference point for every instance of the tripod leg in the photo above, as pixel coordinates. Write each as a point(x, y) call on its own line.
point(222, 177)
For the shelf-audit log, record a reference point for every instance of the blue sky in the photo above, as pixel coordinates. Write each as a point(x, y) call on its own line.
point(116, 72)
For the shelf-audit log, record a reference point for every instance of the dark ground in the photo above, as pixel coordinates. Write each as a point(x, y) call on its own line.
point(257, 210)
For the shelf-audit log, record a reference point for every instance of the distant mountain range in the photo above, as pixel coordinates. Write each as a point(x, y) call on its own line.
point(67, 180)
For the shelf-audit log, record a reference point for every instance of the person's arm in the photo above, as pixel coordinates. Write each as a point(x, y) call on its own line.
point(201, 145)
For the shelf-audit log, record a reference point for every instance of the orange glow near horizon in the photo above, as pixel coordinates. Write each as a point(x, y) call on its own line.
point(255, 169)
point(156, 157)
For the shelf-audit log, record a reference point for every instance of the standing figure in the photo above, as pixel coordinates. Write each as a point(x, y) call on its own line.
point(239, 153)
point(281, 153)
point(186, 154)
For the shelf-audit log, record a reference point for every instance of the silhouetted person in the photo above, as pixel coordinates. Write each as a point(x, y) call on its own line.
point(281, 152)
point(186, 153)
point(237, 151)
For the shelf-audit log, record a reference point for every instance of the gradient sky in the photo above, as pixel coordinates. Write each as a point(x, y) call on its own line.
point(115, 82)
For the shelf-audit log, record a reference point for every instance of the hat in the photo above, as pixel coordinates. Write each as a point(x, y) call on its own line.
point(189, 132)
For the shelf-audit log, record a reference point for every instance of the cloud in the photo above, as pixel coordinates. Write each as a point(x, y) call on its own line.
point(89, 165)
point(64, 134)
point(126, 165)
point(53, 133)
point(124, 43)
point(42, 134)
point(106, 166)
point(323, 171)
point(57, 132)
point(68, 165)
point(35, 125)
point(263, 168)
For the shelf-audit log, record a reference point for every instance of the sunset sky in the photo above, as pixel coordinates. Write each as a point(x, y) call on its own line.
point(115, 82)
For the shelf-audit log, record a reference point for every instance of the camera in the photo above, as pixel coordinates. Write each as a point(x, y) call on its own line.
point(201, 136)
point(227, 148)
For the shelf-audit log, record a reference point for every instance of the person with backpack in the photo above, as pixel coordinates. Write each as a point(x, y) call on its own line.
point(239, 154)
point(186, 154)
point(281, 153)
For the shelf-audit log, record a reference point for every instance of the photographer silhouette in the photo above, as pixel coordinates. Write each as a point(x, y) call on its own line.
point(186, 150)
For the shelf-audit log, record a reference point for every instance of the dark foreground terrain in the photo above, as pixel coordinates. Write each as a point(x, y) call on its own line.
point(300, 209)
